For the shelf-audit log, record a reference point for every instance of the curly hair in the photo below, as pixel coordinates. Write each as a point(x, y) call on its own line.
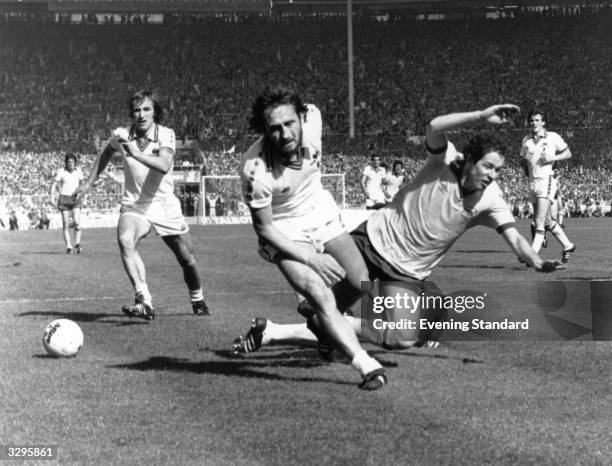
point(68, 156)
point(269, 99)
point(139, 96)
point(480, 145)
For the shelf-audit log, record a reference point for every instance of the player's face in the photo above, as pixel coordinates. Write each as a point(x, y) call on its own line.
point(397, 170)
point(284, 128)
point(376, 162)
point(536, 124)
point(143, 115)
point(483, 172)
point(70, 165)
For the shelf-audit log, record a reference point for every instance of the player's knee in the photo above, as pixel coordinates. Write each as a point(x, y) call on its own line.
point(187, 261)
point(126, 241)
point(76, 226)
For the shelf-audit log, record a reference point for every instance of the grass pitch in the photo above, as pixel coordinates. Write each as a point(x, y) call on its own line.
point(171, 391)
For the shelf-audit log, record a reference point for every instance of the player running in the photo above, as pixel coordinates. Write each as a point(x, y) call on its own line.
point(68, 180)
point(404, 241)
point(539, 152)
point(298, 222)
point(147, 151)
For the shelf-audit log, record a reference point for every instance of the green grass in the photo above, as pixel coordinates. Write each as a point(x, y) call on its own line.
point(171, 392)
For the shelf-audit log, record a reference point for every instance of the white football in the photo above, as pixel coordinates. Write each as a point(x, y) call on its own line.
point(121, 133)
point(63, 338)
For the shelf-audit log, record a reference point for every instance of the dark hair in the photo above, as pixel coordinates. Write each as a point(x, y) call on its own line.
point(139, 96)
point(536, 111)
point(375, 156)
point(480, 145)
point(68, 156)
point(398, 162)
point(269, 99)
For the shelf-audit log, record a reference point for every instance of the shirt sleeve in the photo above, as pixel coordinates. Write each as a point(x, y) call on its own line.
point(167, 138)
point(497, 213)
point(560, 144)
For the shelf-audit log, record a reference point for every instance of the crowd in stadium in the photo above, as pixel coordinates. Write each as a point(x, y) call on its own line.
point(63, 87)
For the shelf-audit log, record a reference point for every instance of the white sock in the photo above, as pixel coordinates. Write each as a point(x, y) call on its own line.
point(146, 294)
point(538, 239)
point(364, 363)
point(558, 233)
point(284, 333)
point(196, 295)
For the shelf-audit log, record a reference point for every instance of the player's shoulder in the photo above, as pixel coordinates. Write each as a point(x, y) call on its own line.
point(526, 138)
point(253, 159)
point(164, 131)
point(495, 190)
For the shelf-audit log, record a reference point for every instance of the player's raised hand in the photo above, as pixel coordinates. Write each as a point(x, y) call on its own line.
point(500, 114)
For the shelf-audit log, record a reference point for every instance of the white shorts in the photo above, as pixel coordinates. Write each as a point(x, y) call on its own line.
point(317, 229)
point(543, 187)
point(163, 214)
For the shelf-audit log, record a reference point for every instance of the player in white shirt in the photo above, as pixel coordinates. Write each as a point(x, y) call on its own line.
point(372, 183)
point(393, 181)
point(297, 221)
point(68, 180)
point(147, 150)
point(539, 151)
point(452, 193)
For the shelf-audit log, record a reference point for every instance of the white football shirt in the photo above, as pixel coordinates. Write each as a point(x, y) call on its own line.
point(534, 147)
point(69, 181)
point(144, 184)
point(429, 214)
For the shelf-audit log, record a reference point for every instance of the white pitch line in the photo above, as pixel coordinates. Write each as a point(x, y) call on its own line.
point(111, 298)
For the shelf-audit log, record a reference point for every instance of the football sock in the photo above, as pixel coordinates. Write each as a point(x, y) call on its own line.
point(146, 294)
point(196, 295)
point(558, 232)
point(288, 333)
point(364, 363)
point(538, 239)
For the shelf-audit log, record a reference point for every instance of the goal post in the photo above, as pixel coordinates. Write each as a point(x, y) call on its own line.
point(222, 197)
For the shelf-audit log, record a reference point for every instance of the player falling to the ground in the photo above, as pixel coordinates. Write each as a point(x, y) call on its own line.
point(539, 152)
point(68, 180)
point(407, 239)
point(147, 151)
point(298, 222)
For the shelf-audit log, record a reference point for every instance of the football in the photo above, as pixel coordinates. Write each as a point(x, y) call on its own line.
point(63, 338)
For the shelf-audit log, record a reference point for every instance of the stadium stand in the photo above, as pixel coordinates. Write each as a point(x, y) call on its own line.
point(63, 86)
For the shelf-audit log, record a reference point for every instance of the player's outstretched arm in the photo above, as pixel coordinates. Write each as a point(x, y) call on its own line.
point(98, 167)
point(494, 115)
point(524, 251)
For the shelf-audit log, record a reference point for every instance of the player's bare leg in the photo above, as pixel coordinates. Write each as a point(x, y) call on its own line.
point(130, 230)
point(76, 223)
point(327, 318)
point(182, 248)
point(66, 230)
point(541, 211)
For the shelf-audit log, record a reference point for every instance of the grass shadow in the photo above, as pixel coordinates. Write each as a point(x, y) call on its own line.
point(246, 368)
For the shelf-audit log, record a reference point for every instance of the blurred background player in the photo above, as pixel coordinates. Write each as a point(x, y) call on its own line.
point(372, 183)
point(68, 180)
point(405, 241)
point(298, 222)
point(393, 180)
point(147, 149)
point(539, 151)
